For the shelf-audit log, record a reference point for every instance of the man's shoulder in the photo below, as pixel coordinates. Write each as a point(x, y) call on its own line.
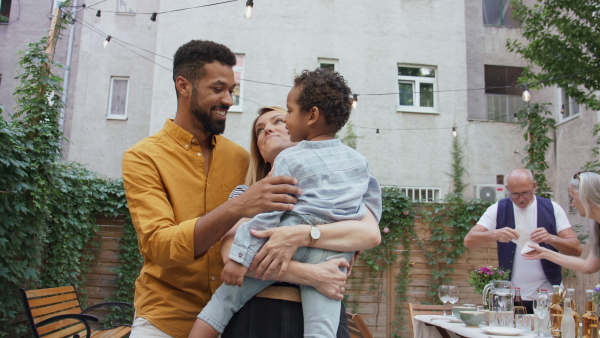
point(147, 143)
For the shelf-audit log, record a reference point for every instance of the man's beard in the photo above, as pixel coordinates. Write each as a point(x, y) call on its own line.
point(210, 125)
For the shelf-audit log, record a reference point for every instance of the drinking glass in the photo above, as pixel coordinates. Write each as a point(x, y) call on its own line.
point(453, 294)
point(443, 295)
point(540, 308)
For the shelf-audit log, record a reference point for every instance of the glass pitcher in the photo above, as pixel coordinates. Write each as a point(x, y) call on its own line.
point(498, 294)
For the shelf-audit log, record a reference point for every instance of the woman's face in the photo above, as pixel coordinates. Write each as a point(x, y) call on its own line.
point(576, 202)
point(271, 135)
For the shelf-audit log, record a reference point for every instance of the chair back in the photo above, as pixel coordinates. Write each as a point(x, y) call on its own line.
point(423, 309)
point(46, 303)
point(357, 326)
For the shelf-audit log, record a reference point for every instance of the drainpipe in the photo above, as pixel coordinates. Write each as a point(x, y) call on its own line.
point(67, 73)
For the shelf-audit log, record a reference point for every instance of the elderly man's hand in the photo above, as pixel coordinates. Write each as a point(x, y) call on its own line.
point(505, 235)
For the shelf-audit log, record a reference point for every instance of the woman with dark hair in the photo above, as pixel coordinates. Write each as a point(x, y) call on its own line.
point(277, 311)
point(584, 189)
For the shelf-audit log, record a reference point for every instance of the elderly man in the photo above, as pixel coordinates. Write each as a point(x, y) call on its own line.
point(520, 214)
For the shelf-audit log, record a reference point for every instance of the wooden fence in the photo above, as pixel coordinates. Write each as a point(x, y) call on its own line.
point(373, 297)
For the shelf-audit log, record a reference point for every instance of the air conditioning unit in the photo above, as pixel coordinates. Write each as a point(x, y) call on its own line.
point(490, 192)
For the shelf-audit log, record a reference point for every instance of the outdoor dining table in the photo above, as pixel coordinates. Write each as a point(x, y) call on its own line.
point(436, 326)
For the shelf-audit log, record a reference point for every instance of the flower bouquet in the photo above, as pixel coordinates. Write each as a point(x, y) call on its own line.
point(481, 277)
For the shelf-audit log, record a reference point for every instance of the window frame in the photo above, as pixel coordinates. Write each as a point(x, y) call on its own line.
point(505, 15)
point(109, 115)
point(329, 61)
point(416, 81)
point(564, 102)
point(238, 108)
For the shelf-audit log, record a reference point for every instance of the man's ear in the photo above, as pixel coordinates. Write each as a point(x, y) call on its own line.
point(183, 86)
point(314, 114)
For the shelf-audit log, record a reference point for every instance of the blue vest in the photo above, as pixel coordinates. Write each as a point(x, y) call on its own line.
point(545, 219)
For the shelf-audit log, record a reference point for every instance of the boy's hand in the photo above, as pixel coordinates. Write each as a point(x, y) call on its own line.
point(233, 273)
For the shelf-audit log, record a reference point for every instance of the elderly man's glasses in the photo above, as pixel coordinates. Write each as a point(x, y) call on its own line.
point(516, 195)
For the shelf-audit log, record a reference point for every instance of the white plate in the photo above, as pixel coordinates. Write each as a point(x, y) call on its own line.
point(455, 320)
point(503, 331)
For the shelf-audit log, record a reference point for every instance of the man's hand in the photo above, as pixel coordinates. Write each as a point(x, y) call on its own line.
point(273, 258)
point(540, 235)
point(505, 235)
point(268, 194)
point(233, 273)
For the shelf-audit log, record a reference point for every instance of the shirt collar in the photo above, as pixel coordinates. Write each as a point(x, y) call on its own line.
point(184, 138)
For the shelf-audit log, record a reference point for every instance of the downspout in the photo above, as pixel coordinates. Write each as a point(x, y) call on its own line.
point(67, 73)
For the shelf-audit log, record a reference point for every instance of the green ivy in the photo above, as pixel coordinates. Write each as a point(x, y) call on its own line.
point(48, 208)
point(537, 126)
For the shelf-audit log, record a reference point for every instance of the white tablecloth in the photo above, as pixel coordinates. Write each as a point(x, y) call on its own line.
point(424, 331)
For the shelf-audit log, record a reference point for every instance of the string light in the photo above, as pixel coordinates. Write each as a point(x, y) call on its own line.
point(248, 11)
point(454, 132)
point(562, 109)
point(97, 17)
point(354, 101)
point(377, 131)
point(526, 95)
point(152, 20)
point(106, 41)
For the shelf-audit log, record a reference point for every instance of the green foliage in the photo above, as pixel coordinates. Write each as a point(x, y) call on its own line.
point(562, 43)
point(457, 168)
point(3, 18)
point(450, 223)
point(397, 227)
point(351, 139)
point(594, 164)
point(537, 127)
point(48, 208)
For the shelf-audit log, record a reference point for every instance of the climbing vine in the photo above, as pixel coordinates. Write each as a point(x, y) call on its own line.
point(537, 126)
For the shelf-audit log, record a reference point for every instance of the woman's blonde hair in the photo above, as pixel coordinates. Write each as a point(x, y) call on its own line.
point(587, 187)
point(258, 168)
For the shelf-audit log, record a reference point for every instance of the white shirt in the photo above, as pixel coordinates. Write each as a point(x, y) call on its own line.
point(528, 275)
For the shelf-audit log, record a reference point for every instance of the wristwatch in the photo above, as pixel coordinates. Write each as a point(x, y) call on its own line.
point(315, 234)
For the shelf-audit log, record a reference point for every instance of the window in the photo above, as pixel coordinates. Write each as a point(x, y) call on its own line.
point(4, 10)
point(118, 97)
point(419, 194)
point(238, 73)
point(126, 6)
point(331, 64)
point(502, 92)
point(498, 13)
point(568, 106)
point(416, 89)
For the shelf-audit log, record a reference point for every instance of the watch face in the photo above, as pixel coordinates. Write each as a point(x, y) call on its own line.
point(315, 233)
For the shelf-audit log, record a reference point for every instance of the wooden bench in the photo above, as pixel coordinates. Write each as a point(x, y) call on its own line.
point(56, 312)
point(357, 326)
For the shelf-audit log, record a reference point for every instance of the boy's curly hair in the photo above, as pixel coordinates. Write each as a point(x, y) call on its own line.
point(190, 58)
point(328, 91)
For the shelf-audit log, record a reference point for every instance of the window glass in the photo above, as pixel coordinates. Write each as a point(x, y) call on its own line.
point(4, 10)
point(498, 13)
point(426, 94)
point(119, 89)
point(503, 92)
point(405, 90)
point(238, 92)
point(416, 89)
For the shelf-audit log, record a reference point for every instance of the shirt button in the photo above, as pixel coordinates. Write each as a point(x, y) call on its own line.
point(186, 146)
point(199, 154)
point(193, 140)
point(240, 255)
point(212, 278)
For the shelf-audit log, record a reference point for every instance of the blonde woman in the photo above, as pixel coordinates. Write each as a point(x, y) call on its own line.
point(584, 189)
point(269, 317)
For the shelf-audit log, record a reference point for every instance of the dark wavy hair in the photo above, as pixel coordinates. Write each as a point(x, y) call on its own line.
point(190, 58)
point(328, 91)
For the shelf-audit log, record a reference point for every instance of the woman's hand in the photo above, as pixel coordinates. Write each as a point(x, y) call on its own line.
point(354, 259)
point(274, 257)
point(537, 253)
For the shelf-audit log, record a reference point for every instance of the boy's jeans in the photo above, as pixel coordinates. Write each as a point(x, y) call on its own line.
point(321, 314)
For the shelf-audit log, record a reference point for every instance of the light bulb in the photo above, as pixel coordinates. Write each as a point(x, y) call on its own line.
point(152, 21)
point(248, 10)
point(97, 17)
point(354, 101)
point(454, 132)
point(106, 41)
point(526, 95)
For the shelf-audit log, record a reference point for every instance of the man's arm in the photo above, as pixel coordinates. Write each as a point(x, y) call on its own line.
point(480, 236)
point(268, 194)
point(565, 241)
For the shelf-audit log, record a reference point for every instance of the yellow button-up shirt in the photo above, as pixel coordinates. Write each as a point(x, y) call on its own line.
point(167, 191)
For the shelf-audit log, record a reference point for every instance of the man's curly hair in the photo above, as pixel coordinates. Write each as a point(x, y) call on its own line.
point(328, 91)
point(190, 58)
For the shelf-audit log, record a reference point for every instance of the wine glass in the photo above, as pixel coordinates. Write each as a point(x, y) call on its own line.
point(453, 294)
point(540, 308)
point(443, 295)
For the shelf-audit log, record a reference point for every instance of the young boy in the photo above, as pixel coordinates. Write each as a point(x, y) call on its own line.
point(336, 186)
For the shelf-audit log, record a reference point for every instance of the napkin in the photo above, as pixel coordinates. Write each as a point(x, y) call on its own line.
point(524, 240)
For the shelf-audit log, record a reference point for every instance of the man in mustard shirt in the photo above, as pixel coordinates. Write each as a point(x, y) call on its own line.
point(177, 182)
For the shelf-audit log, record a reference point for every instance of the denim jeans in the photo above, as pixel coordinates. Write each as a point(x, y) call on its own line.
point(321, 314)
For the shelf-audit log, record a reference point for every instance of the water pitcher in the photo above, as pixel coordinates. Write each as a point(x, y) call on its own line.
point(499, 295)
